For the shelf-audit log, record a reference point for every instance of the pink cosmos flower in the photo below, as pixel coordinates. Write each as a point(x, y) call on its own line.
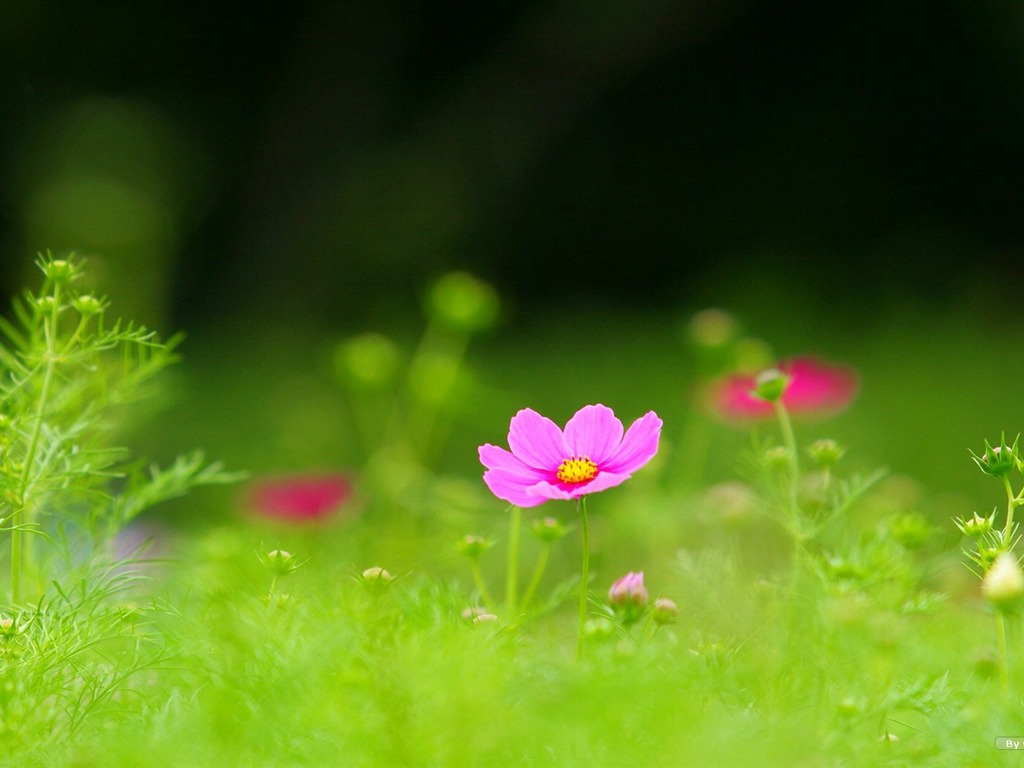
point(590, 455)
point(300, 498)
point(814, 389)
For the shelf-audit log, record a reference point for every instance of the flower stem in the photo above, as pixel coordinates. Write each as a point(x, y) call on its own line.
point(581, 505)
point(481, 586)
point(538, 573)
point(21, 555)
point(1010, 504)
point(1004, 666)
point(789, 440)
point(512, 569)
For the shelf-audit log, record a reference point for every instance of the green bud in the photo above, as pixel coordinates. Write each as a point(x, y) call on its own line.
point(47, 304)
point(1000, 460)
point(977, 526)
point(770, 385)
point(367, 361)
point(548, 529)
point(473, 546)
point(280, 562)
point(599, 627)
point(377, 578)
point(826, 452)
point(664, 611)
point(463, 303)
point(60, 270)
point(777, 457)
point(712, 329)
point(88, 305)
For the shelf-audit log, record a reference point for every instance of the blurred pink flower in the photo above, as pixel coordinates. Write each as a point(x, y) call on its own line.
point(592, 454)
point(300, 498)
point(815, 389)
point(629, 590)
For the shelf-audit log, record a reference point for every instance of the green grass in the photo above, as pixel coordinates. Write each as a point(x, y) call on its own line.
point(870, 644)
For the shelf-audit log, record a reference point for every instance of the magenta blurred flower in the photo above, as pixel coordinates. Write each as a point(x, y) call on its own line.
point(629, 590)
point(300, 498)
point(814, 389)
point(592, 454)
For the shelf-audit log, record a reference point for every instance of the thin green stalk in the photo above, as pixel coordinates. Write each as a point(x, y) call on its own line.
point(1011, 503)
point(581, 505)
point(20, 552)
point(481, 585)
point(537, 575)
point(789, 440)
point(512, 569)
point(1004, 665)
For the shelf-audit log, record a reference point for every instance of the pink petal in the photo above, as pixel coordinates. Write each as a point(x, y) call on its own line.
point(536, 440)
point(637, 448)
point(512, 488)
point(594, 432)
point(495, 457)
point(602, 482)
point(815, 389)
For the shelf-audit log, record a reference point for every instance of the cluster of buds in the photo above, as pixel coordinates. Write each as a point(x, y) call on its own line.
point(630, 601)
point(999, 460)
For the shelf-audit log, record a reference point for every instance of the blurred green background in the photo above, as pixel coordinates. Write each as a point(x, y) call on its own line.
point(274, 177)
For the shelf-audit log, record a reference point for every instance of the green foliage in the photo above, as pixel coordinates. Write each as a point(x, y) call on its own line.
point(808, 616)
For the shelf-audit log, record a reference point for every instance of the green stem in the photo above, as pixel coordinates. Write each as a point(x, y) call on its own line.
point(21, 555)
point(481, 585)
point(789, 440)
point(422, 422)
point(1004, 666)
point(512, 569)
point(538, 573)
point(1010, 504)
point(581, 505)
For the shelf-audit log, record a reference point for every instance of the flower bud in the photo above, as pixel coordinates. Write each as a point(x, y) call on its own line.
point(377, 577)
point(473, 546)
point(1003, 585)
point(47, 304)
point(368, 361)
point(976, 526)
point(628, 596)
point(281, 562)
point(1000, 460)
point(665, 611)
point(770, 385)
point(463, 303)
point(826, 452)
point(88, 305)
point(60, 270)
point(7, 627)
point(548, 529)
point(777, 457)
point(712, 329)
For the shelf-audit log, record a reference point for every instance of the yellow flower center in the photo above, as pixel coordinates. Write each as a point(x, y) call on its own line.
point(576, 470)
